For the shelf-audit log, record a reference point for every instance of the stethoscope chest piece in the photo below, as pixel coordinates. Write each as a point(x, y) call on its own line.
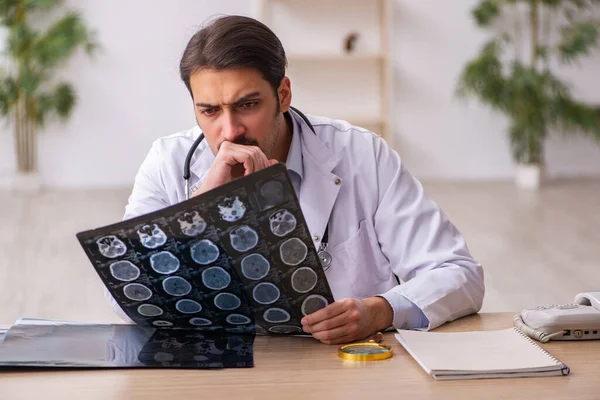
point(325, 258)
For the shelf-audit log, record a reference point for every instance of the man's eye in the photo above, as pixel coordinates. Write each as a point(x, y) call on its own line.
point(248, 105)
point(208, 111)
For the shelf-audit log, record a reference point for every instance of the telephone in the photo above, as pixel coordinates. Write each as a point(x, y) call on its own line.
point(579, 320)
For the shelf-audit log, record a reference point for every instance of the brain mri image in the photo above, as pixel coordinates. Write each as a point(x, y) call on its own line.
point(304, 280)
point(161, 323)
point(276, 315)
point(272, 193)
point(216, 278)
point(124, 271)
point(187, 306)
point(238, 258)
point(282, 223)
point(313, 303)
point(293, 251)
point(111, 246)
point(243, 238)
point(191, 224)
point(176, 286)
point(265, 293)
point(232, 209)
point(284, 329)
point(255, 267)
point(151, 236)
point(237, 319)
point(164, 262)
point(204, 252)
point(227, 301)
point(197, 321)
point(137, 292)
point(150, 310)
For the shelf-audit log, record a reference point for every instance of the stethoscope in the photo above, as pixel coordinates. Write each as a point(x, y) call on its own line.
point(324, 255)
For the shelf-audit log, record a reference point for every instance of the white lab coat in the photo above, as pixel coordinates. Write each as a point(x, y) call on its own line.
point(381, 224)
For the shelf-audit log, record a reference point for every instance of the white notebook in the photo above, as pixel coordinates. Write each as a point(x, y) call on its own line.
point(480, 354)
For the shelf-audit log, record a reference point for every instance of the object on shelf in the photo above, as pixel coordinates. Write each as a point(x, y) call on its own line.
point(350, 42)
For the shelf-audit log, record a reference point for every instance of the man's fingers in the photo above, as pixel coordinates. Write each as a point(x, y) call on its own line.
point(332, 323)
point(333, 336)
point(331, 311)
point(251, 157)
point(261, 159)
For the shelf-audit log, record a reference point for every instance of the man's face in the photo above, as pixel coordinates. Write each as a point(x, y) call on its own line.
point(239, 106)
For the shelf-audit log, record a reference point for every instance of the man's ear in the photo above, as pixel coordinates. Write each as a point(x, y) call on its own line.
point(285, 94)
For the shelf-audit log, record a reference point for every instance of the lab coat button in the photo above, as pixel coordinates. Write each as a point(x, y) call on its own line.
point(316, 238)
point(338, 181)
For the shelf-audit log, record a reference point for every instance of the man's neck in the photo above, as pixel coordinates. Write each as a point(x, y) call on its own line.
point(284, 139)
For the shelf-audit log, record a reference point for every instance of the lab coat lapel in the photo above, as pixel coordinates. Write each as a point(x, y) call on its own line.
point(319, 189)
point(200, 164)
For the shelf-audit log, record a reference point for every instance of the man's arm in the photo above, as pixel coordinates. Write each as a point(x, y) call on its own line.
point(442, 281)
point(426, 251)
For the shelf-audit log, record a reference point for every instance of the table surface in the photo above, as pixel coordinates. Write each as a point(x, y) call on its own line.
point(302, 368)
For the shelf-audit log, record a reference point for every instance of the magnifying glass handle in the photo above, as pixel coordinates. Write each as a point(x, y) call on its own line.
point(377, 338)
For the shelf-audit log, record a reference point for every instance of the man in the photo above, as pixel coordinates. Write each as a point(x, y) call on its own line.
point(381, 224)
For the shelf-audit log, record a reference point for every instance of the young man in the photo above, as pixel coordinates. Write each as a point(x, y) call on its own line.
point(380, 223)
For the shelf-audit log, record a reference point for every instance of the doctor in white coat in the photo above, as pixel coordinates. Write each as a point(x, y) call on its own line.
point(382, 226)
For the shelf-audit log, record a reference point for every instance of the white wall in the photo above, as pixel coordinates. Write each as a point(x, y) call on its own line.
point(131, 94)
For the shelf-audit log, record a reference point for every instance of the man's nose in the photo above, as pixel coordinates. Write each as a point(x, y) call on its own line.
point(231, 128)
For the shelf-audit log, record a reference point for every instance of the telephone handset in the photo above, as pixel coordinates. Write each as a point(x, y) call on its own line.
point(579, 320)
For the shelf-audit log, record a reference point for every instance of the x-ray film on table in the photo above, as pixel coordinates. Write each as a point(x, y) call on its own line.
point(238, 258)
point(122, 346)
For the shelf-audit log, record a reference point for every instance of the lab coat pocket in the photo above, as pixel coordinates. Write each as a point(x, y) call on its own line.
point(358, 266)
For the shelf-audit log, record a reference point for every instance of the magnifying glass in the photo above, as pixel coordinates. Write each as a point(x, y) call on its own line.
point(372, 350)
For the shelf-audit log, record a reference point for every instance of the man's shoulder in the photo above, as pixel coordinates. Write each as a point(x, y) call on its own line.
point(341, 135)
point(179, 140)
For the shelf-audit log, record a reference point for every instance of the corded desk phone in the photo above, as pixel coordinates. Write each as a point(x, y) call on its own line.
point(579, 320)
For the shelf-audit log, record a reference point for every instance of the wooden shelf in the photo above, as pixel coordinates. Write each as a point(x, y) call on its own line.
point(323, 67)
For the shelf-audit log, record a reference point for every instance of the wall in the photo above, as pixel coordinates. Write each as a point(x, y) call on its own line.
point(131, 94)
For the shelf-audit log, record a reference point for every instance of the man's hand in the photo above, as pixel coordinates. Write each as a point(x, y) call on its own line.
point(234, 161)
point(348, 320)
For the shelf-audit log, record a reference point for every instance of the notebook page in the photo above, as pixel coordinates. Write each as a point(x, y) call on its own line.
point(503, 350)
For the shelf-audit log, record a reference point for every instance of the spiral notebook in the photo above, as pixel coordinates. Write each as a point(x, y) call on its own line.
point(504, 353)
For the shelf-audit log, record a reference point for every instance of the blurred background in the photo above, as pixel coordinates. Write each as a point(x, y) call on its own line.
point(504, 134)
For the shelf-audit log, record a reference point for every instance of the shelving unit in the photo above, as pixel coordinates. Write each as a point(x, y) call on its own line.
point(327, 80)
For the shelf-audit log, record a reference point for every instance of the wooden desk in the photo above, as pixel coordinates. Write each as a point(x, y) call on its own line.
point(302, 368)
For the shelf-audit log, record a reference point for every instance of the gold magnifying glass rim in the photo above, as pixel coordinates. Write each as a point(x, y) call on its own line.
point(365, 357)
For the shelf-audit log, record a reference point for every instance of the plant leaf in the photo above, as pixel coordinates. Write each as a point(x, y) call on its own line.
point(44, 107)
point(60, 41)
point(64, 100)
point(41, 5)
point(486, 12)
point(578, 39)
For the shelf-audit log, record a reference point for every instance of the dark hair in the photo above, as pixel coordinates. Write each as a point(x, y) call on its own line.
point(235, 42)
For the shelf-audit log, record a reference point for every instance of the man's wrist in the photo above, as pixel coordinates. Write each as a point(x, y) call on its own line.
point(382, 312)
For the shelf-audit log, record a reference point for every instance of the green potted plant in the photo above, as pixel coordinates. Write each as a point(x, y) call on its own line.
point(514, 73)
point(29, 97)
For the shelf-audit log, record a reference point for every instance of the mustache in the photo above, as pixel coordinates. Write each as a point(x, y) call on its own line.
point(244, 141)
